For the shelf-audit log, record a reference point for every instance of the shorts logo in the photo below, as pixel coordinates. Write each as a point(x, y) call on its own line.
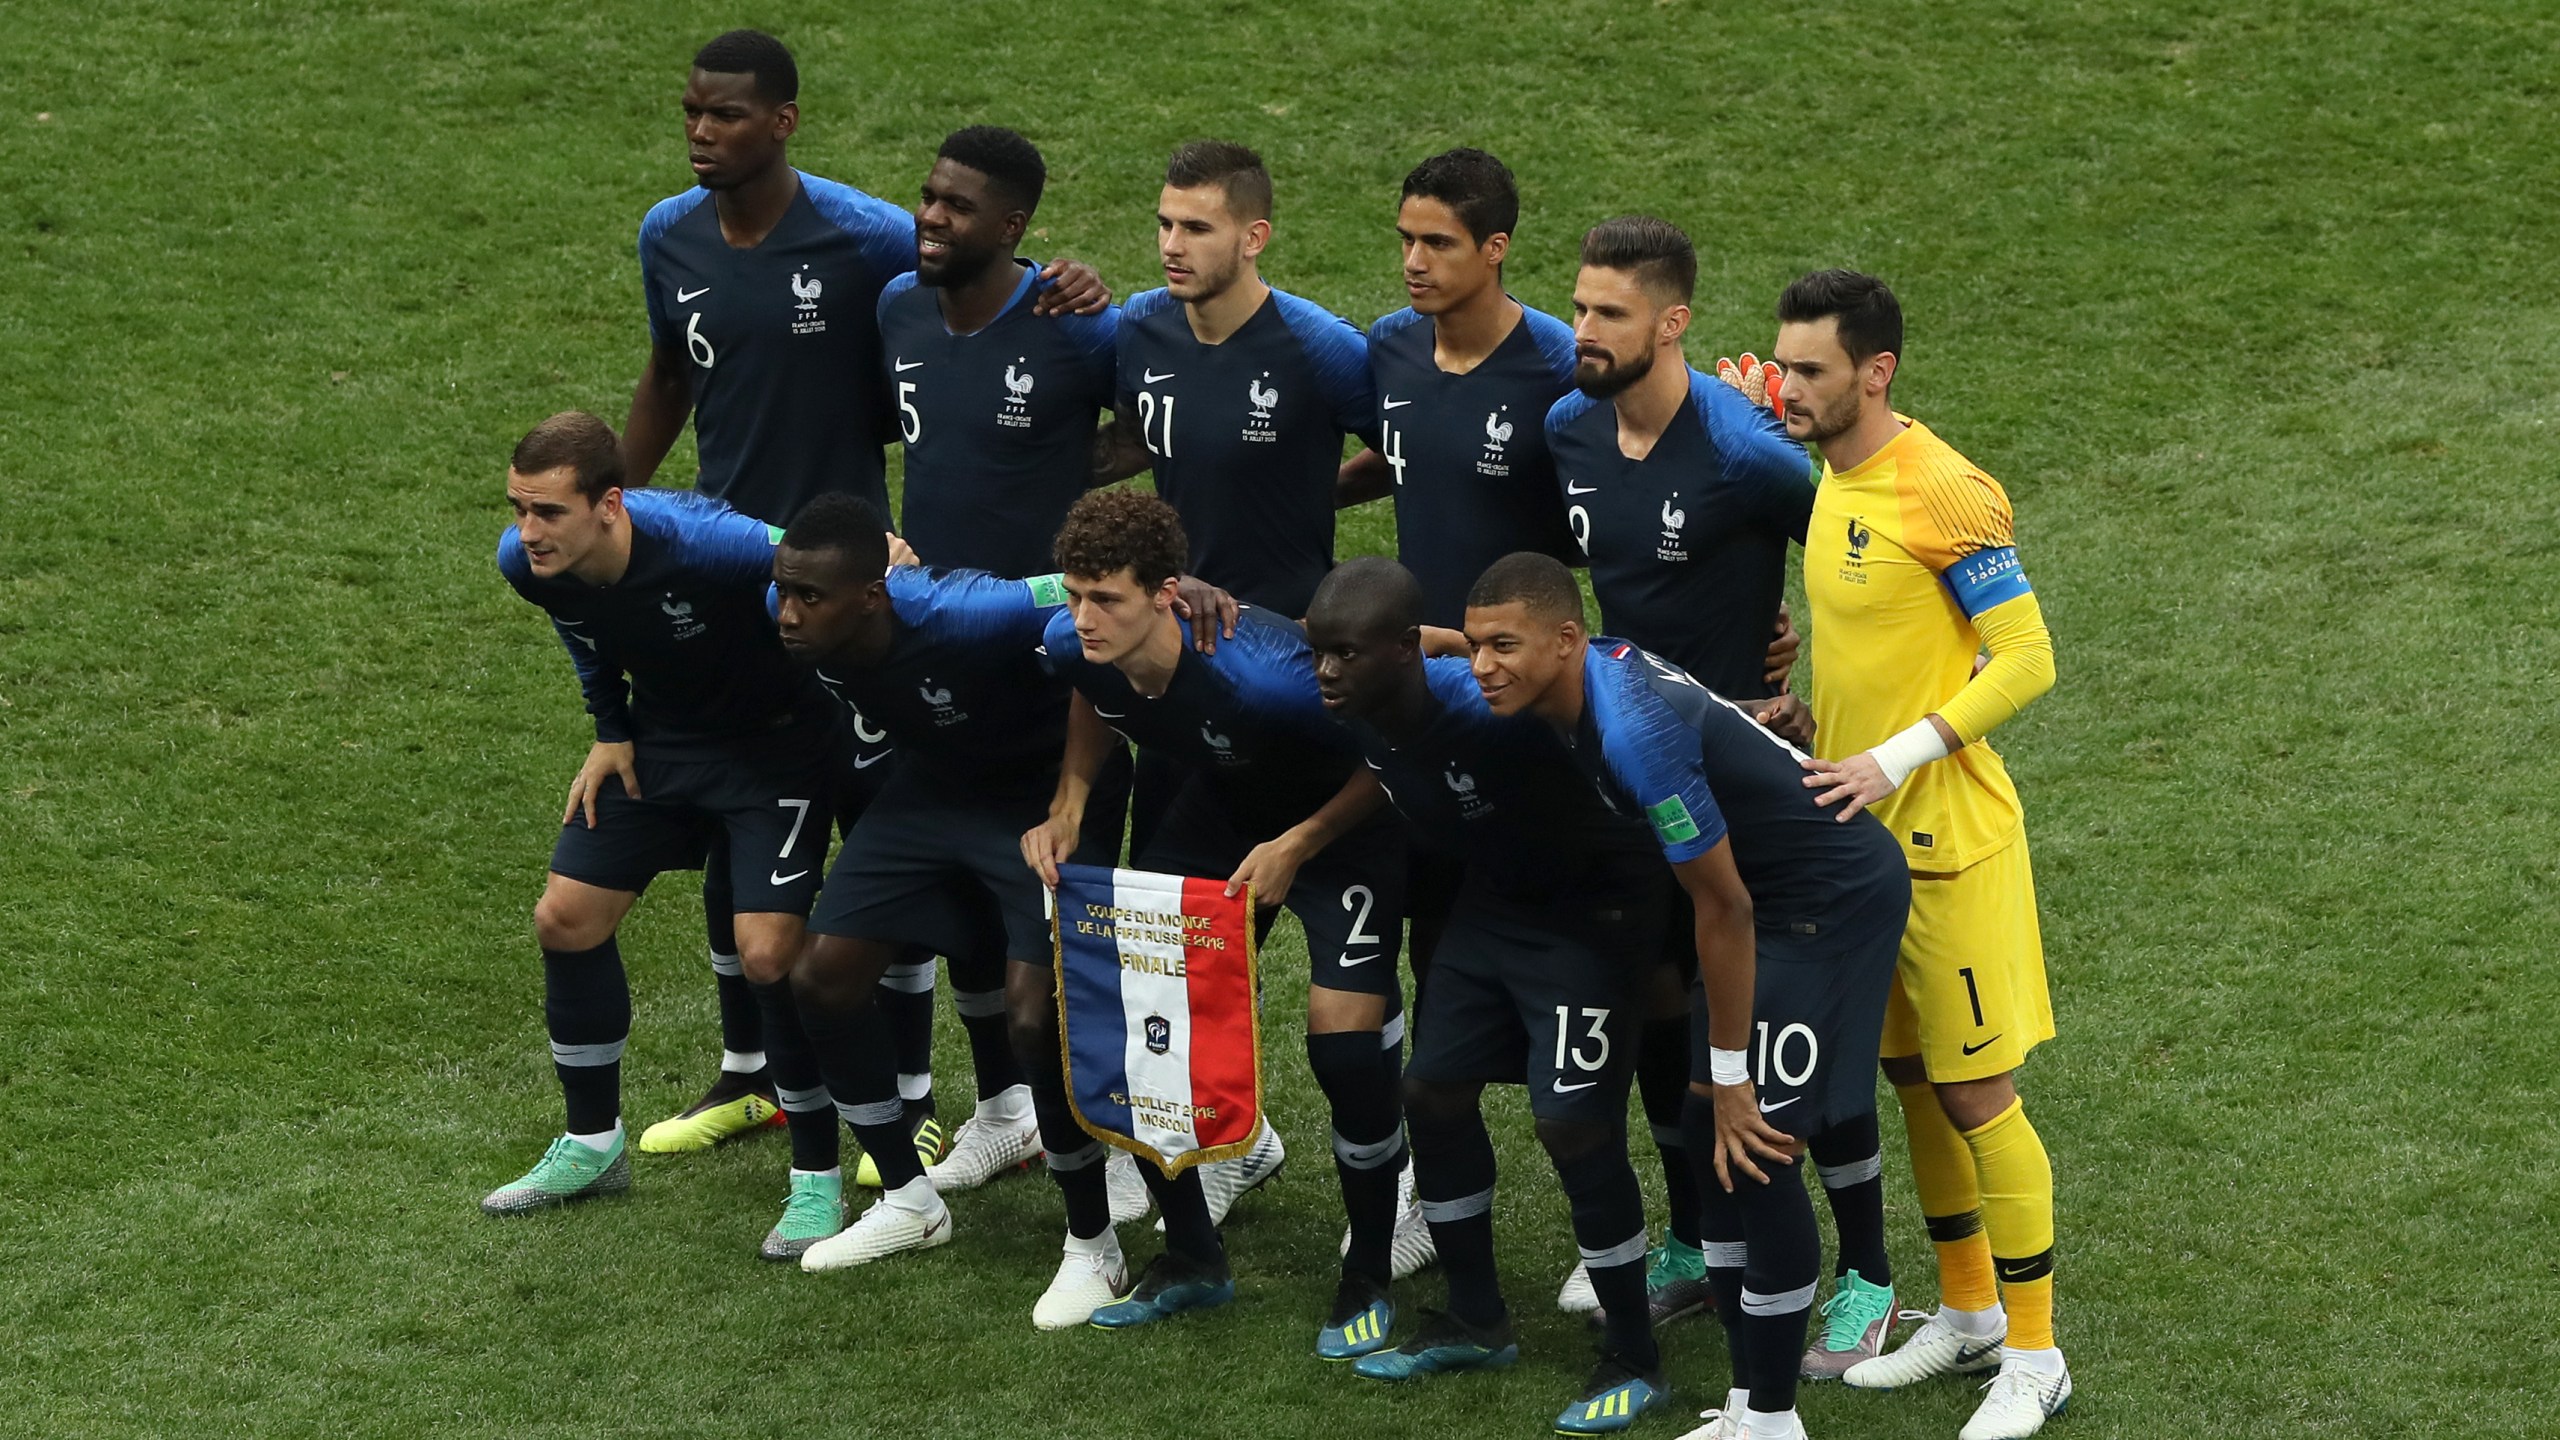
point(1015, 412)
point(1259, 426)
point(1672, 820)
point(681, 612)
point(1159, 1034)
point(808, 288)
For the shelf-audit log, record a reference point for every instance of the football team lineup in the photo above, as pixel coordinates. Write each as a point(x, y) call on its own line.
point(1650, 877)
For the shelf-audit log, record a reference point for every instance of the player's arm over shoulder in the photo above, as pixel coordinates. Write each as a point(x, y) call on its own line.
point(711, 538)
point(1970, 540)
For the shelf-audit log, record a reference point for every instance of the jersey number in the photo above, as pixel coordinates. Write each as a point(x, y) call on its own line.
point(1581, 521)
point(1391, 447)
point(1773, 1055)
point(1592, 1030)
point(910, 419)
point(1159, 442)
point(695, 344)
point(1365, 899)
point(799, 816)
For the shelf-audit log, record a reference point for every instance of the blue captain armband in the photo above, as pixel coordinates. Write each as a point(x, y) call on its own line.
point(1986, 578)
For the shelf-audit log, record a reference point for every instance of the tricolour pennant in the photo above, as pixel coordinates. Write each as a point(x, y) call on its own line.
point(1156, 1006)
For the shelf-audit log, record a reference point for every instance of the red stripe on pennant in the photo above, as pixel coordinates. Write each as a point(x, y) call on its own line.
point(1223, 1064)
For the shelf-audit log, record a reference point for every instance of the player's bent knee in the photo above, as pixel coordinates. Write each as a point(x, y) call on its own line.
point(1569, 1140)
point(830, 975)
point(1903, 1071)
point(1434, 1104)
point(1972, 1104)
point(563, 923)
point(1331, 1012)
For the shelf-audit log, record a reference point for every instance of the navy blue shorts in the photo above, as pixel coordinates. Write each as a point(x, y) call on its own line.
point(1817, 1016)
point(1349, 898)
point(772, 811)
point(1549, 998)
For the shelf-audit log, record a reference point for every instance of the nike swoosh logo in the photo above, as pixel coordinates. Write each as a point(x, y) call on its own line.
point(1572, 489)
point(1967, 1354)
point(781, 879)
point(865, 762)
point(685, 297)
point(906, 365)
point(1393, 404)
point(1152, 377)
point(1767, 1108)
point(1985, 1045)
point(1562, 1088)
point(1347, 962)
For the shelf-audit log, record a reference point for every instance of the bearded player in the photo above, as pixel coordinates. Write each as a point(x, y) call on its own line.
point(1911, 570)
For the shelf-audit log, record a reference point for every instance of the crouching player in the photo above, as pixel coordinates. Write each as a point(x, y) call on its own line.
point(1798, 921)
point(1271, 794)
point(1535, 980)
point(703, 726)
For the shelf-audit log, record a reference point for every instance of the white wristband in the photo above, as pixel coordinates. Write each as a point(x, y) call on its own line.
point(1910, 750)
point(1728, 1067)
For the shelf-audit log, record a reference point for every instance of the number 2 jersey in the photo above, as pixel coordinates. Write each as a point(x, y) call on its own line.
point(1665, 749)
point(781, 342)
point(1910, 568)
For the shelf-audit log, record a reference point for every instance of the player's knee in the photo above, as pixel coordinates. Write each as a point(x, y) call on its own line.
point(1031, 1023)
point(1435, 1105)
point(825, 979)
point(1903, 1071)
point(1567, 1141)
point(767, 961)
point(1972, 1104)
point(564, 924)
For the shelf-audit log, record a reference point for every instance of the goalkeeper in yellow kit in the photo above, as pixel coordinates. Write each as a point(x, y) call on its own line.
point(1911, 570)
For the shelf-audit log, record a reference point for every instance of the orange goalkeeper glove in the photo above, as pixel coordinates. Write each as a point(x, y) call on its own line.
point(1759, 383)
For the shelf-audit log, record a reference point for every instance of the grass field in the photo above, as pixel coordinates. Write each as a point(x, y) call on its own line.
point(2249, 305)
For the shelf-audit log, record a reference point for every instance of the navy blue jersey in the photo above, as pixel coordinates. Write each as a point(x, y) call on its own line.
point(1660, 746)
point(1247, 717)
point(678, 656)
point(1688, 546)
point(962, 693)
point(782, 342)
point(1501, 793)
point(1247, 435)
point(998, 424)
point(1473, 478)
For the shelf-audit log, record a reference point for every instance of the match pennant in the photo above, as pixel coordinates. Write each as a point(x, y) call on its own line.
point(1156, 1005)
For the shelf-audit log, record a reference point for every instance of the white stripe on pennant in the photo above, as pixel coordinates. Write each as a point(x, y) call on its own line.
point(1159, 1085)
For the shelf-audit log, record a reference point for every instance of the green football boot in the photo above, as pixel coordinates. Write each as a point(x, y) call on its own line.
point(568, 1171)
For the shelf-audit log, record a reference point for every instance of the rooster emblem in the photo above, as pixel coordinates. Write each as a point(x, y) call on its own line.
point(1019, 384)
point(1859, 535)
point(808, 288)
point(1460, 781)
point(1497, 429)
point(1262, 396)
point(939, 699)
point(681, 609)
point(1672, 519)
point(1217, 742)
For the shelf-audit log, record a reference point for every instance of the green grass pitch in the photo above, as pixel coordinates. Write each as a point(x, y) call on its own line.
point(2248, 304)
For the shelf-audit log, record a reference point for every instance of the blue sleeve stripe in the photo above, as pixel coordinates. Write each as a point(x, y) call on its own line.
point(1340, 355)
point(1986, 578)
point(1555, 342)
point(884, 233)
point(1147, 302)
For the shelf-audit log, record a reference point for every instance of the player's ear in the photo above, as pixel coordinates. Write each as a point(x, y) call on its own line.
point(1256, 235)
point(609, 504)
point(1673, 324)
point(1880, 368)
point(786, 121)
point(1495, 247)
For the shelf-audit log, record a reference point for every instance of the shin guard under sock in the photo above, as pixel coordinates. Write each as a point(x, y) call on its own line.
point(586, 1006)
point(1778, 1281)
point(1852, 1170)
point(1453, 1175)
point(2016, 1177)
point(1608, 1226)
point(1942, 1173)
point(1354, 1072)
point(1662, 1078)
point(797, 1086)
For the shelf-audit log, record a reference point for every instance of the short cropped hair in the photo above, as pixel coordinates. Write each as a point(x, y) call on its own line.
point(753, 52)
point(1109, 530)
point(1472, 183)
point(1870, 318)
point(844, 523)
point(578, 440)
point(1369, 595)
point(1656, 250)
point(1011, 163)
point(1231, 167)
point(1525, 577)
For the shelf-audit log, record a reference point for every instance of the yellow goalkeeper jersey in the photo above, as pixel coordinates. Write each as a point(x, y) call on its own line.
point(1911, 568)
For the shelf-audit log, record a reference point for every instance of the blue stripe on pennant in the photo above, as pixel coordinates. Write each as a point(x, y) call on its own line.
point(1089, 979)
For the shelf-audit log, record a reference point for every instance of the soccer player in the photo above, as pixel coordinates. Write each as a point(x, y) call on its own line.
point(1536, 980)
point(702, 723)
point(997, 407)
point(1911, 572)
point(1235, 393)
point(1795, 922)
point(1272, 795)
point(762, 284)
point(1684, 496)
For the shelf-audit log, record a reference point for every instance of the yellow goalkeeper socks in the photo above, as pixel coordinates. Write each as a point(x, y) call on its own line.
point(2016, 1182)
point(1942, 1170)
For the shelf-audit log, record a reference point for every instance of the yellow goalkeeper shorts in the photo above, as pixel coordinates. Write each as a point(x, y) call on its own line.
point(1969, 991)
